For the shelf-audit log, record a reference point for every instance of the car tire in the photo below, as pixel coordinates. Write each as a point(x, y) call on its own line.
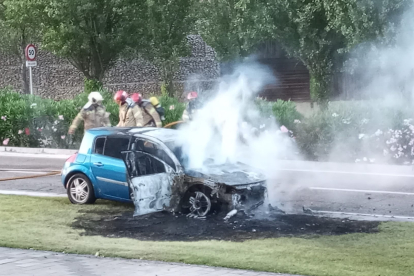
point(197, 201)
point(80, 190)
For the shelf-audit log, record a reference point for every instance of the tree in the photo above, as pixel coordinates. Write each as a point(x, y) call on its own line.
point(16, 31)
point(92, 34)
point(229, 26)
point(169, 22)
point(318, 32)
point(322, 32)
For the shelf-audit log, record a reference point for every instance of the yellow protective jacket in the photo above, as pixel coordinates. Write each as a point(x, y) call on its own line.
point(150, 116)
point(93, 116)
point(130, 116)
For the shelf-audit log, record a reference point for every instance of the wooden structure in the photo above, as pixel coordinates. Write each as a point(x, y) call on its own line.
point(292, 75)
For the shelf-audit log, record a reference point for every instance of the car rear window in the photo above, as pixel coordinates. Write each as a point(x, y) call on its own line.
point(99, 145)
point(115, 145)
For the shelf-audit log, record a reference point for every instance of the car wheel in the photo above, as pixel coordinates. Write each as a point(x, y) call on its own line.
point(197, 202)
point(80, 190)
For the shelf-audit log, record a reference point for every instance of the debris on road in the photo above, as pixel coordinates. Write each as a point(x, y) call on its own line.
point(230, 214)
point(307, 210)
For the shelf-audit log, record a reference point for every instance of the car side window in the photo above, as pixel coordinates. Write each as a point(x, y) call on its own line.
point(153, 149)
point(99, 145)
point(144, 164)
point(115, 145)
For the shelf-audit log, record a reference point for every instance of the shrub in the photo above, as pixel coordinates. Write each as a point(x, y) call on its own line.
point(343, 131)
point(92, 85)
point(284, 112)
point(48, 121)
point(348, 131)
point(173, 108)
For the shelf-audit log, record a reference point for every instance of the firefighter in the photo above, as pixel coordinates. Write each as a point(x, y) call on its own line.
point(158, 107)
point(150, 116)
point(191, 108)
point(130, 114)
point(93, 114)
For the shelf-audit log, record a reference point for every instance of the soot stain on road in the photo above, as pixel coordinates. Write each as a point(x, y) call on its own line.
point(167, 227)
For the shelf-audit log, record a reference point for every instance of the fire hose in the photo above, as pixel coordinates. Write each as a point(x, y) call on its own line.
point(58, 172)
point(30, 176)
point(173, 124)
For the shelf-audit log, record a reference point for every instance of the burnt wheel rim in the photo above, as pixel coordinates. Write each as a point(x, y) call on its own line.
point(79, 190)
point(200, 204)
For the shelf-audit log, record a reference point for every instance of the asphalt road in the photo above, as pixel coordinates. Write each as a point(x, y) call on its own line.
point(332, 189)
point(21, 162)
point(20, 165)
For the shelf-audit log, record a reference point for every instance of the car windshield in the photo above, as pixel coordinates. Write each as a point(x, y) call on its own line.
point(178, 152)
point(183, 158)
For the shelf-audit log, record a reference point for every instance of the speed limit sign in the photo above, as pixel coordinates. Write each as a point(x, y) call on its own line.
point(31, 52)
point(31, 62)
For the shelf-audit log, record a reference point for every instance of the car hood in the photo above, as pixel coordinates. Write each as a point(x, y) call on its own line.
point(229, 174)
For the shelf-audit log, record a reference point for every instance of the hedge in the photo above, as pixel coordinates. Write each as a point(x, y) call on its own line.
point(31, 121)
point(375, 131)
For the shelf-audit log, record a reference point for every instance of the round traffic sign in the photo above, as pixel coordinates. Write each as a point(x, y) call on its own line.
point(30, 52)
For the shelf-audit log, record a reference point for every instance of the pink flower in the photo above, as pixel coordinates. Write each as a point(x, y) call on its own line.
point(172, 107)
point(6, 141)
point(63, 137)
point(20, 131)
point(39, 129)
point(4, 118)
point(283, 129)
point(61, 117)
point(27, 131)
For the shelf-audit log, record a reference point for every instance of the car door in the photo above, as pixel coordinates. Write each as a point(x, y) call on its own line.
point(150, 180)
point(109, 169)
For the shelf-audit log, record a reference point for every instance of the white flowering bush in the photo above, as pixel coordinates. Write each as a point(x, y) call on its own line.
point(358, 132)
point(398, 144)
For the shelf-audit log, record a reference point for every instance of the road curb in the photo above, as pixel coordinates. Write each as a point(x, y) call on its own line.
point(37, 150)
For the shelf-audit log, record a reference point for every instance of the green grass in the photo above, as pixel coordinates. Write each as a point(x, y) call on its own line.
point(45, 223)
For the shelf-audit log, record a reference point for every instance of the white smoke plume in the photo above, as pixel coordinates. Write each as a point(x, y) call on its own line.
point(386, 67)
point(230, 128)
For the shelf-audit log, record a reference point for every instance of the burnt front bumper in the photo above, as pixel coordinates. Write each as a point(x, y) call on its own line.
point(245, 197)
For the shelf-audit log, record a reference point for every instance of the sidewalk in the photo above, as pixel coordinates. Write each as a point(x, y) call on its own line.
point(18, 262)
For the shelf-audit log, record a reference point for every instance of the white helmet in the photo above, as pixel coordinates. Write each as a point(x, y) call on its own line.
point(95, 97)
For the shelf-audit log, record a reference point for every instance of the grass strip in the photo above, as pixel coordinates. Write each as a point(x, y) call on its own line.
point(45, 224)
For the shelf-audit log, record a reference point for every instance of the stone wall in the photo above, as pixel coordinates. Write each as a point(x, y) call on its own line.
point(57, 79)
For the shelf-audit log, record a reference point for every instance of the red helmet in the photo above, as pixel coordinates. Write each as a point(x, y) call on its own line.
point(121, 96)
point(192, 95)
point(136, 97)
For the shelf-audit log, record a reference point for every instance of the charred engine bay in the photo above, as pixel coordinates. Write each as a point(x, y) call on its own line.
point(168, 227)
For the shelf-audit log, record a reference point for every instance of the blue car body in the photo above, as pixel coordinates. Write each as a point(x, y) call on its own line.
point(107, 174)
point(147, 167)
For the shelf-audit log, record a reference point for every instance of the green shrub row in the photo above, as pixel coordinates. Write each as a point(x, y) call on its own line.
point(375, 131)
point(31, 121)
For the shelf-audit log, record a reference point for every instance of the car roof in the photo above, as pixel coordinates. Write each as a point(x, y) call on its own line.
point(162, 134)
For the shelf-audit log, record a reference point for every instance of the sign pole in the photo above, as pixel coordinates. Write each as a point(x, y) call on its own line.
point(30, 62)
point(31, 83)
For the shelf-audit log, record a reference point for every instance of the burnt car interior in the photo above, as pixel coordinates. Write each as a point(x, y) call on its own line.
point(142, 161)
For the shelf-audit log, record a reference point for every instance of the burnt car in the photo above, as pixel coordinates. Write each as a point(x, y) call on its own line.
point(158, 178)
